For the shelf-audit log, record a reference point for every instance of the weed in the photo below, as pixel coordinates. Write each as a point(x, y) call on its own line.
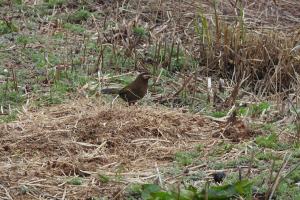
point(55, 3)
point(286, 191)
point(8, 96)
point(222, 148)
point(185, 158)
point(23, 40)
point(17, 2)
point(199, 148)
point(37, 57)
point(134, 191)
point(140, 31)
point(103, 178)
point(154, 192)
point(242, 160)
point(269, 141)
point(267, 156)
point(24, 189)
point(75, 181)
point(59, 36)
point(7, 27)
point(79, 16)
point(75, 28)
point(258, 109)
point(218, 114)
point(9, 118)
point(294, 177)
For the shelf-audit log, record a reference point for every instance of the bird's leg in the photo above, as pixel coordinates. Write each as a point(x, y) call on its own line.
point(130, 103)
point(113, 101)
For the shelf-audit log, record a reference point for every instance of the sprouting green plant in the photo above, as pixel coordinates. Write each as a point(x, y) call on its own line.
point(185, 158)
point(75, 181)
point(202, 28)
point(18, 2)
point(8, 96)
point(199, 147)
point(24, 189)
point(269, 141)
point(103, 178)
point(140, 31)
point(258, 109)
point(7, 27)
point(75, 28)
point(79, 16)
point(154, 192)
point(55, 3)
point(218, 114)
point(23, 40)
point(8, 118)
point(222, 148)
point(267, 156)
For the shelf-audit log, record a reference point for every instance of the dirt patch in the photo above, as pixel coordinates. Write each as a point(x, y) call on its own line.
point(44, 148)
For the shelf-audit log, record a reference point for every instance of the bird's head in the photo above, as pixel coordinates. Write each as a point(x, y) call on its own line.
point(145, 75)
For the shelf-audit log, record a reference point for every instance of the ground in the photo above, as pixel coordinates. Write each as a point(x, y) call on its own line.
point(224, 96)
point(87, 139)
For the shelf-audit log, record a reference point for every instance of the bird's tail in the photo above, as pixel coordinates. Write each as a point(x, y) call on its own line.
point(110, 91)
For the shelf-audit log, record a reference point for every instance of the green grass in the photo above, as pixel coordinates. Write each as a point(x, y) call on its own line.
point(103, 178)
point(78, 16)
point(140, 32)
point(75, 181)
point(23, 40)
point(7, 27)
point(55, 3)
point(218, 114)
point(75, 28)
point(221, 149)
point(186, 158)
point(155, 192)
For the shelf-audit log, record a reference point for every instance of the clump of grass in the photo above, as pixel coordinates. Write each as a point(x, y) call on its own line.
point(229, 191)
point(23, 40)
point(269, 141)
point(75, 181)
point(55, 3)
point(79, 16)
point(222, 148)
point(103, 178)
point(140, 31)
point(75, 28)
point(17, 2)
point(218, 114)
point(186, 158)
point(267, 156)
point(9, 118)
point(7, 27)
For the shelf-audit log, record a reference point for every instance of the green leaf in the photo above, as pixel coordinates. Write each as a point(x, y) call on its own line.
point(103, 178)
point(148, 189)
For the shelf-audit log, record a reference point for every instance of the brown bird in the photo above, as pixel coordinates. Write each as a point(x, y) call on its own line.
point(133, 92)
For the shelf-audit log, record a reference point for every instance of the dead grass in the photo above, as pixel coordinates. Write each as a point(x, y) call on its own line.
point(82, 138)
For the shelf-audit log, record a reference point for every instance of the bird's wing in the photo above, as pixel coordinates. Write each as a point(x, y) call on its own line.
point(110, 90)
point(130, 92)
